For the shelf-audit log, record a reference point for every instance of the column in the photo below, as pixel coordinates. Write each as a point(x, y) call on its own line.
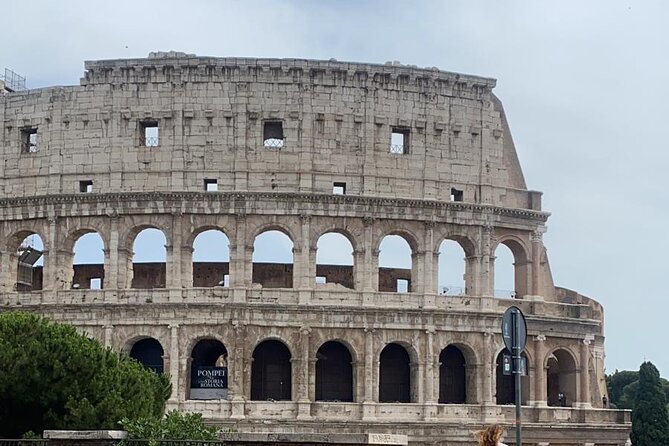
point(302, 381)
point(429, 367)
point(51, 261)
point(301, 262)
point(187, 266)
point(368, 411)
point(359, 268)
point(112, 263)
point(430, 261)
point(173, 267)
point(585, 398)
point(109, 330)
point(174, 363)
point(540, 391)
point(236, 367)
point(486, 376)
point(368, 265)
point(486, 272)
point(537, 250)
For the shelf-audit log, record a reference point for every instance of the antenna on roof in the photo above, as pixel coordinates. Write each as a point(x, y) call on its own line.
point(12, 81)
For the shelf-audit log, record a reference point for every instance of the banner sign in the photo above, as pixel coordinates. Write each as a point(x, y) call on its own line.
point(205, 377)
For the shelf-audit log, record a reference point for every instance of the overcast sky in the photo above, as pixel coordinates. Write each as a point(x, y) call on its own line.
point(584, 85)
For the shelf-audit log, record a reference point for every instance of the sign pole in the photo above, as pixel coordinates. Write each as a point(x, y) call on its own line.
point(517, 371)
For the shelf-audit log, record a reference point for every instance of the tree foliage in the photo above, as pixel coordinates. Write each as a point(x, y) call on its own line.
point(650, 424)
point(55, 378)
point(174, 425)
point(622, 387)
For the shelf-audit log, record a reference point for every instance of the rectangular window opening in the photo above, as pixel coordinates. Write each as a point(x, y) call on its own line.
point(210, 185)
point(402, 285)
point(456, 194)
point(273, 135)
point(339, 188)
point(29, 140)
point(95, 283)
point(86, 186)
point(149, 134)
point(399, 141)
point(321, 280)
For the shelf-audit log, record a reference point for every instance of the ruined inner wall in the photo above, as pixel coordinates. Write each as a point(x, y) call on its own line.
point(337, 120)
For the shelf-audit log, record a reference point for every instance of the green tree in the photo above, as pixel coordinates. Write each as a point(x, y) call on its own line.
point(174, 425)
point(650, 424)
point(620, 394)
point(55, 378)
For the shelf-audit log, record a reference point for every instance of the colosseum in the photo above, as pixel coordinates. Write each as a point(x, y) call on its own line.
point(292, 177)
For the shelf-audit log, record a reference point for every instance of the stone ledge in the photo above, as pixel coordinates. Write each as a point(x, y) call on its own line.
point(295, 437)
point(85, 435)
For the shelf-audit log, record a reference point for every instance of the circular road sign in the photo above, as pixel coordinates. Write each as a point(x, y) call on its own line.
point(514, 338)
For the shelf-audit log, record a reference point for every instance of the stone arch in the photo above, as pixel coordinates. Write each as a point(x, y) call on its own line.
point(454, 268)
point(452, 376)
point(335, 377)
point(273, 226)
point(467, 380)
point(28, 252)
point(333, 228)
point(271, 374)
point(147, 275)
point(337, 269)
point(397, 277)
point(521, 266)
point(204, 228)
point(274, 273)
point(208, 369)
point(561, 377)
point(397, 373)
point(149, 352)
point(210, 269)
point(88, 274)
point(505, 384)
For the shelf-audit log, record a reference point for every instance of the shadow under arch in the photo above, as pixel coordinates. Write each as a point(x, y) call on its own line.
point(335, 379)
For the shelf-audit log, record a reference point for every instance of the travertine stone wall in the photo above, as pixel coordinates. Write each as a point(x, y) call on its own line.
point(337, 120)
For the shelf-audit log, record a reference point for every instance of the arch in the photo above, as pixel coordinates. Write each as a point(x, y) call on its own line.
point(395, 263)
point(149, 261)
point(148, 352)
point(561, 378)
point(511, 271)
point(28, 270)
point(271, 372)
point(273, 259)
point(452, 268)
point(394, 374)
point(452, 376)
point(211, 258)
point(334, 259)
point(505, 384)
point(88, 260)
point(334, 372)
point(208, 370)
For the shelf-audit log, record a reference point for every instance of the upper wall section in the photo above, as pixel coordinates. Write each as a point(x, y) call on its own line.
point(335, 122)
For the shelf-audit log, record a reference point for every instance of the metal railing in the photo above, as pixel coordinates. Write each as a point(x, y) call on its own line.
point(148, 141)
point(23, 442)
point(273, 143)
point(13, 81)
point(398, 149)
point(449, 290)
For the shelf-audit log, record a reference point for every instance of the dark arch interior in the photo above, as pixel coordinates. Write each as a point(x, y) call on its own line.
point(452, 376)
point(270, 373)
point(209, 352)
point(561, 379)
point(506, 383)
point(334, 373)
point(149, 353)
point(394, 375)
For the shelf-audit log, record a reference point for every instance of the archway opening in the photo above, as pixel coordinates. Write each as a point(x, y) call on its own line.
point(334, 373)
point(273, 260)
point(506, 385)
point(452, 376)
point(211, 259)
point(511, 270)
point(334, 260)
point(149, 261)
point(452, 265)
point(209, 371)
point(394, 375)
point(149, 353)
point(395, 264)
point(270, 372)
point(30, 265)
point(561, 379)
point(89, 262)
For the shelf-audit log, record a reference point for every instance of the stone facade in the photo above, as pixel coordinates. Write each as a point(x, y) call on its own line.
point(136, 145)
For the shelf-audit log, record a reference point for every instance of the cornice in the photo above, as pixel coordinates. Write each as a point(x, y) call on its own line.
point(420, 209)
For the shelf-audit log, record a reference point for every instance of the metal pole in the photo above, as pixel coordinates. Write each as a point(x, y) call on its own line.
point(517, 372)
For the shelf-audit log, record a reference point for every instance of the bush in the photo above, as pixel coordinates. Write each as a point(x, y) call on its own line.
point(174, 425)
point(56, 378)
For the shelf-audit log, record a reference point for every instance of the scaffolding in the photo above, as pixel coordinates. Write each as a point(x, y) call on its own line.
point(13, 81)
